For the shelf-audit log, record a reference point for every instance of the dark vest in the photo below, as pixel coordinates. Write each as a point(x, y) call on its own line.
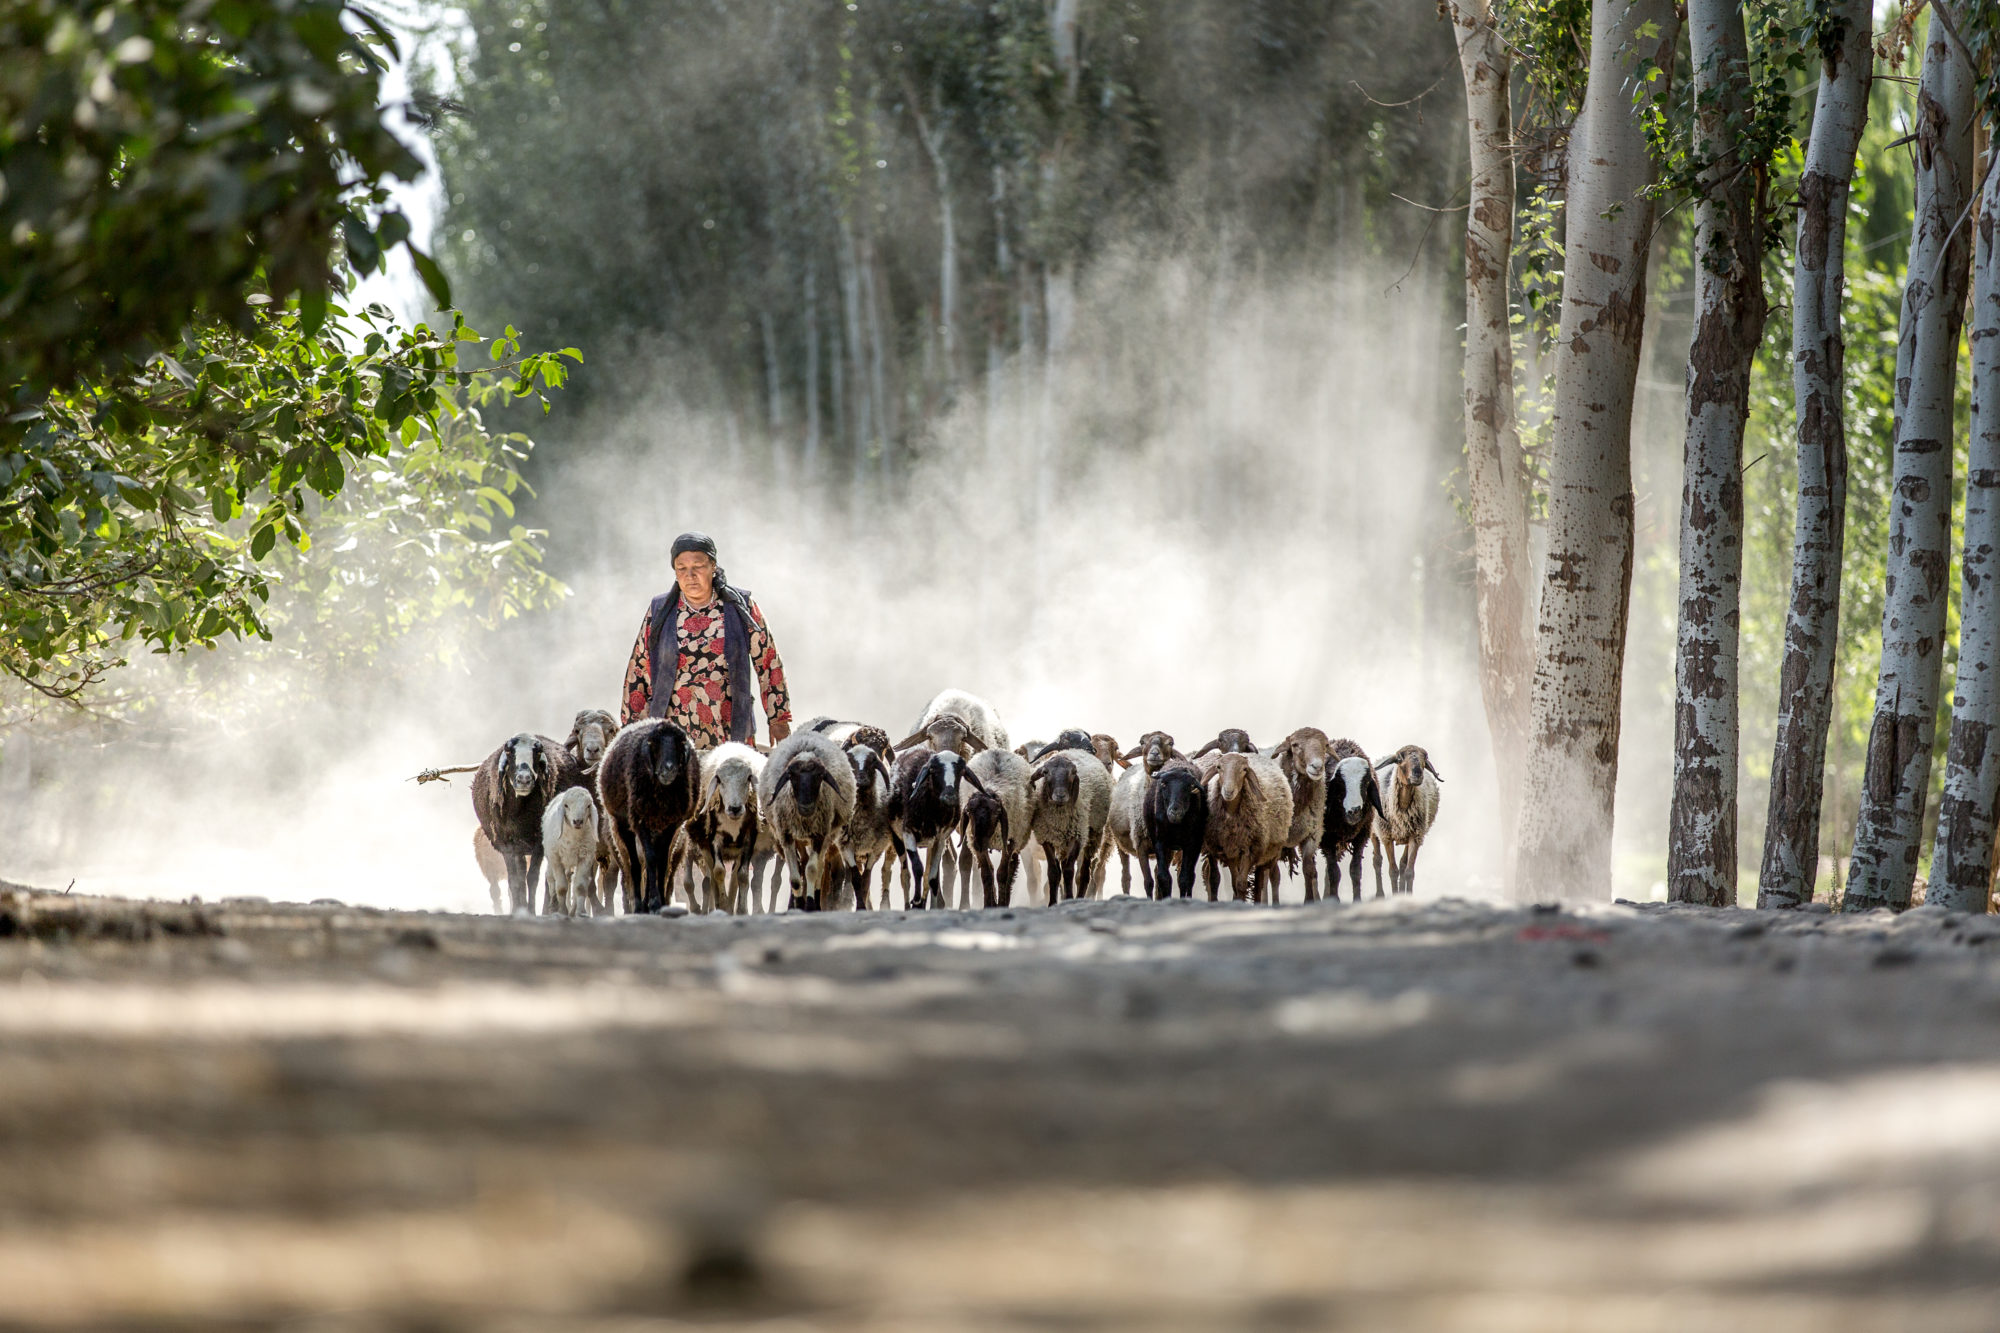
point(735, 647)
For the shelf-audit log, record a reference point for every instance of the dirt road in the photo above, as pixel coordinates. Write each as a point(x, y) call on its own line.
point(1119, 1115)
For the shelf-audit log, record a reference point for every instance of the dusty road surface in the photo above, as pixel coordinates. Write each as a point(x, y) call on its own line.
point(1118, 1115)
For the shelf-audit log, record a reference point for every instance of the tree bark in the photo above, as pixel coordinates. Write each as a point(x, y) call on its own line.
point(1729, 323)
point(1962, 869)
point(1819, 358)
point(1889, 830)
point(1572, 770)
point(1496, 470)
point(933, 142)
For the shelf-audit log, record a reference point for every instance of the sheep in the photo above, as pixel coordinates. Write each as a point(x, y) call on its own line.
point(1228, 741)
point(492, 865)
point(928, 807)
point(648, 785)
point(1126, 832)
point(589, 734)
point(1071, 795)
point(1408, 810)
point(1352, 800)
point(845, 734)
point(1174, 821)
point(569, 841)
point(994, 818)
point(510, 792)
point(724, 832)
point(870, 831)
point(1302, 757)
point(1249, 814)
point(975, 716)
point(807, 793)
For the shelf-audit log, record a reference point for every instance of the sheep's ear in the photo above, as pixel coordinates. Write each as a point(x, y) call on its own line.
point(908, 741)
point(974, 741)
point(973, 778)
point(1432, 769)
point(1131, 754)
point(1372, 790)
point(1209, 748)
point(1250, 776)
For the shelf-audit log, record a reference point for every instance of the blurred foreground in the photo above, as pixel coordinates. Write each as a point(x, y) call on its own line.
point(1115, 1115)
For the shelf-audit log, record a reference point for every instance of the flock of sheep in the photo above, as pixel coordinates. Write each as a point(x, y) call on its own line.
point(640, 807)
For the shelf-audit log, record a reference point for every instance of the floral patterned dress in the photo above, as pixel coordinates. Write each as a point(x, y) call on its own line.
point(701, 702)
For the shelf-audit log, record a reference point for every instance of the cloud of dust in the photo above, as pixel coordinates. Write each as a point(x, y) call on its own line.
point(1226, 506)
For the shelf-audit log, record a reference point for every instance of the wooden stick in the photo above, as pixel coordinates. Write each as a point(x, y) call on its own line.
point(442, 774)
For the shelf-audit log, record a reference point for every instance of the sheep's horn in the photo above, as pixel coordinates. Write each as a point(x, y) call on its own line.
point(922, 735)
point(1432, 769)
point(1390, 762)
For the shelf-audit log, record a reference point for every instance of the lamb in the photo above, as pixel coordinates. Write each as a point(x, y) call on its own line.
point(492, 865)
point(846, 734)
point(723, 834)
point(974, 715)
point(1302, 757)
point(1175, 824)
point(510, 792)
point(807, 793)
point(648, 785)
point(995, 818)
point(1071, 795)
point(569, 841)
point(1249, 814)
point(1352, 800)
point(1409, 808)
point(928, 809)
point(870, 831)
point(1229, 740)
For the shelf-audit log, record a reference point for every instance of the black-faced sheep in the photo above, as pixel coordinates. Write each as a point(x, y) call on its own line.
point(807, 794)
point(1352, 800)
point(723, 834)
point(1302, 757)
point(1249, 814)
point(930, 791)
point(1175, 819)
point(648, 785)
point(510, 792)
point(569, 841)
point(1071, 795)
point(871, 830)
point(995, 820)
point(1409, 808)
point(1229, 740)
point(977, 717)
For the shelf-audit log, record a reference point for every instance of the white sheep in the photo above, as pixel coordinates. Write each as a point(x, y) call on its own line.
point(807, 793)
point(981, 723)
point(1071, 794)
point(994, 819)
point(1409, 808)
point(569, 844)
point(723, 834)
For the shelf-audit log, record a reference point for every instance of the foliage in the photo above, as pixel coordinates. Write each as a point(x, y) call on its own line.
point(681, 217)
point(167, 160)
point(150, 508)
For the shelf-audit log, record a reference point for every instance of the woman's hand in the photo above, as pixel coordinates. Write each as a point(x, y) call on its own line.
point(780, 730)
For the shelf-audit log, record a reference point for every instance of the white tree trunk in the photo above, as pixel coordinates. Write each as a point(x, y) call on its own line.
point(1729, 323)
point(933, 142)
point(1495, 467)
point(1572, 769)
point(1889, 830)
point(1962, 869)
point(861, 408)
point(1819, 357)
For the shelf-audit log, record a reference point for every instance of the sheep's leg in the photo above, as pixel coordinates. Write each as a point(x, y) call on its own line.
point(965, 876)
point(913, 873)
point(889, 864)
point(1055, 877)
point(1159, 873)
point(1145, 874)
point(1410, 866)
point(1187, 869)
point(934, 898)
point(1309, 854)
point(1375, 843)
point(535, 882)
point(1211, 875)
point(1332, 855)
point(1395, 872)
point(1010, 870)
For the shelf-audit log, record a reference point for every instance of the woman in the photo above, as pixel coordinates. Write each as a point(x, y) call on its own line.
point(698, 647)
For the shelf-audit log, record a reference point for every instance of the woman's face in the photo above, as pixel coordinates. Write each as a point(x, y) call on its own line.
point(695, 572)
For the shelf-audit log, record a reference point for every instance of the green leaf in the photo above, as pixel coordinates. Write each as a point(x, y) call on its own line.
point(433, 276)
point(262, 541)
point(497, 499)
